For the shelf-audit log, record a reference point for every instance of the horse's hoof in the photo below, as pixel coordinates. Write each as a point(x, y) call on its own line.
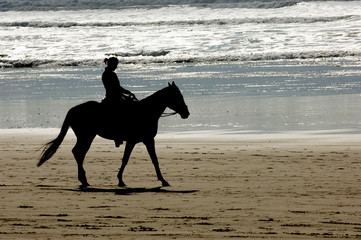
point(165, 184)
point(121, 184)
point(84, 186)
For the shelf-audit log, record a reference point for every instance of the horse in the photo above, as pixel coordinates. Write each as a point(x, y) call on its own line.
point(133, 122)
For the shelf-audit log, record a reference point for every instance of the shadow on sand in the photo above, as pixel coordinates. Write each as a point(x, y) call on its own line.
point(129, 191)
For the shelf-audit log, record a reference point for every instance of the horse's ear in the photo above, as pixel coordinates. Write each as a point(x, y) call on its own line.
point(171, 84)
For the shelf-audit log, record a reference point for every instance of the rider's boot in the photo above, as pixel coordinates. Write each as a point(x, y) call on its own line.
point(118, 142)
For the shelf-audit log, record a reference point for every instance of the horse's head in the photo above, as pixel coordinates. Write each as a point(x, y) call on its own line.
point(176, 101)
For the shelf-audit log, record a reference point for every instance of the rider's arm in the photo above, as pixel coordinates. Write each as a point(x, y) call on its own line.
point(124, 91)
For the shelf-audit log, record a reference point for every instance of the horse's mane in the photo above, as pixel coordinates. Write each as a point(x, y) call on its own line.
point(154, 95)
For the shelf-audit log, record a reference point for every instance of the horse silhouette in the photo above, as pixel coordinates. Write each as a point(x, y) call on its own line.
point(134, 122)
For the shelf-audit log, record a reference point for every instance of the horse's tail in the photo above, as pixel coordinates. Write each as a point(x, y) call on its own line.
point(50, 148)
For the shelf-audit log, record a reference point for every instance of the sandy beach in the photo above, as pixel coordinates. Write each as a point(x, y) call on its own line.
point(240, 186)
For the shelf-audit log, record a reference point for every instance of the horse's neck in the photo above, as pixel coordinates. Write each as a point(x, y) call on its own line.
point(155, 102)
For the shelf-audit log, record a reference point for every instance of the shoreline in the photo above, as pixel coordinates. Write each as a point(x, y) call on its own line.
point(250, 96)
point(351, 135)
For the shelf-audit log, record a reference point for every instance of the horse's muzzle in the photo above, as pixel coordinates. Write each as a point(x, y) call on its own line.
point(185, 114)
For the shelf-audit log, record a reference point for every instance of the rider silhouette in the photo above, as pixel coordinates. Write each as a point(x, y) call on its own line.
point(114, 93)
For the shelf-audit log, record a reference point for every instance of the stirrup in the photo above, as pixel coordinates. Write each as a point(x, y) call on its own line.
point(118, 143)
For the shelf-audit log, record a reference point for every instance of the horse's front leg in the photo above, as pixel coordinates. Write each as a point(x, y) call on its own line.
point(128, 150)
point(150, 144)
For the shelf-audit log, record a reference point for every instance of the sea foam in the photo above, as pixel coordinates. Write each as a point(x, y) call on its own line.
point(44, 5)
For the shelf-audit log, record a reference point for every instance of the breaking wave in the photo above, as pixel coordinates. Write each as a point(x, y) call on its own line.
point(157, 57)
point(45, 5)
point(272, 20)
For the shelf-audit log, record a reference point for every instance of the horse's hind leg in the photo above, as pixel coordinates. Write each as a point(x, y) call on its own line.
point(79, 151)
point(128, 150)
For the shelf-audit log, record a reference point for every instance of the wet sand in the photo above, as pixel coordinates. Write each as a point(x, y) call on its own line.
point(280, 186)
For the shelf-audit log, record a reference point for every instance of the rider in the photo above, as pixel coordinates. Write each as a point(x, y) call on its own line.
point(114, 93)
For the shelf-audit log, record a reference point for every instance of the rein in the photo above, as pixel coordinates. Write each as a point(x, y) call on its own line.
point(168, 114)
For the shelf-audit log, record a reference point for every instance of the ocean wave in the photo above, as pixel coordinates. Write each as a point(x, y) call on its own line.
point(159, 57)
point(272, 20)
point(30, 63)
point(140, 53)
point(45, 5)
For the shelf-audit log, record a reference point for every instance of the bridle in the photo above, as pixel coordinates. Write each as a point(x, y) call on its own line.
point(171, 113)
point(168, 114)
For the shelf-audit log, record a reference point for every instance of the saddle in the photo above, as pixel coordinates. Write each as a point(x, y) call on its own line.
point(115, 114)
